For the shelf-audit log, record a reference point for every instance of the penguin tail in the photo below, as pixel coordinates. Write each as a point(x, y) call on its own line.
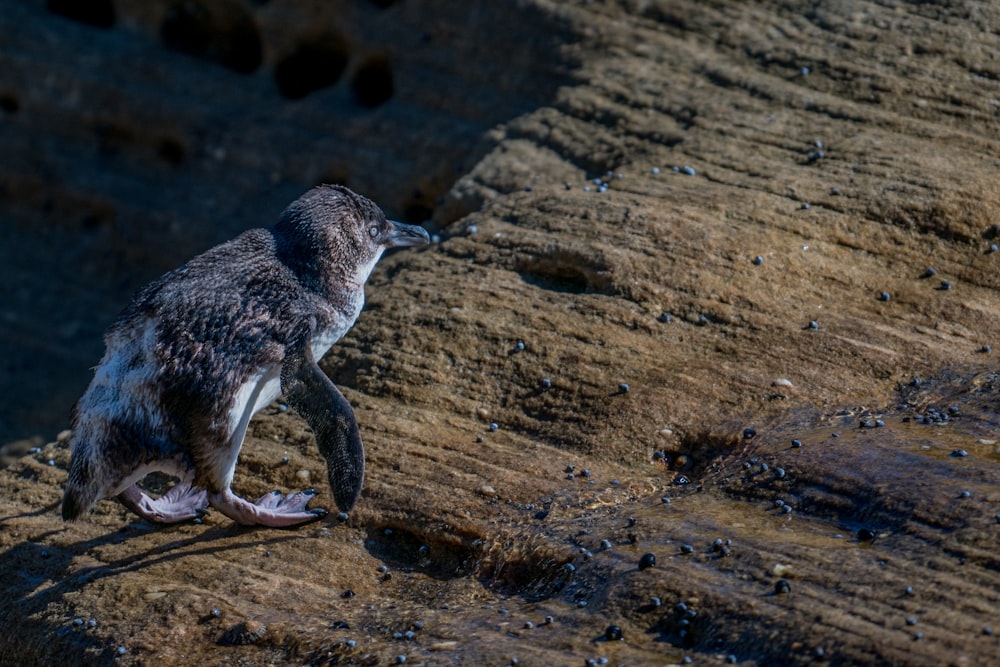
point(81, 494)
point(73, 505)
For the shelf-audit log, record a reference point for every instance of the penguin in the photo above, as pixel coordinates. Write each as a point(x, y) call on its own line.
point(202, 349)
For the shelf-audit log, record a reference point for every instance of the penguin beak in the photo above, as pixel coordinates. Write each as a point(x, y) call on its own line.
point(402, 235)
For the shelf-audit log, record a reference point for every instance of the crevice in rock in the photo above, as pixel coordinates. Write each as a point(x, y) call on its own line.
point(313, 65)
point(223, 32)
point(97, 13)
point(372, 83)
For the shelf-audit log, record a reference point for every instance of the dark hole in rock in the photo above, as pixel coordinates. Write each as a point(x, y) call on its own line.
point(223, 32)
point(171, 151)
point(98, 13)
point(312, 66)
point(440, 556)
point(417, 213)
point(534, 572)
point(372, 83)
point(9, 103)
point(565, 272)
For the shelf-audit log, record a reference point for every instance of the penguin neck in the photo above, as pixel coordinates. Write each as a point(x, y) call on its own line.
point(326, 275)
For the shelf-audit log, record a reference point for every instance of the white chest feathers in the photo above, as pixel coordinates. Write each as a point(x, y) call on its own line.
point(264, 386)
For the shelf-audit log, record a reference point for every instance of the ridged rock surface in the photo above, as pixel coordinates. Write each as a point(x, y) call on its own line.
point(589, 167)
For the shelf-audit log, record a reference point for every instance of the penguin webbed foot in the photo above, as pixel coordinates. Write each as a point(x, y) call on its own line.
point(182, 502)
point(273, 509)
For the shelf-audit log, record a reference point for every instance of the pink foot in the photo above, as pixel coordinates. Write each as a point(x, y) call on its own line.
point(180, 503)
point(272, 509)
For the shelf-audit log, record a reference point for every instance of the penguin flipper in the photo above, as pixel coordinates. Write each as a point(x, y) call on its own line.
point(307, 389)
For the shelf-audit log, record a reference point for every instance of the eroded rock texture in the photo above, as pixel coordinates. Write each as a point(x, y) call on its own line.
point(703, 203)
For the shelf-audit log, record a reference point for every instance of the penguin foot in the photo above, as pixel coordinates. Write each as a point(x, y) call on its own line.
point(181, 503)
point(273, 509)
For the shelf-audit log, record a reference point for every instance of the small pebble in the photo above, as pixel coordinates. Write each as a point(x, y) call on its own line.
point(623, 387)
point(647, 561)
point(908, 590)
point(665, 318)
point(918, 635)
point(528, 625)
point(665, 500)
point(605, 544)
point(687, 549)
point(884, 296)
point(959, 453)
point(613, 633)
point(400, 659)
point(284, 459)
point(814, 325)
point(731, 659)
point(806, 206)
point(911, 620)
point(655, 601)
point(749, 433)
point(656, 170)
point(782, 587)
point(519, 346)
point(987, 630)
point(758, 260)
point(549, 620)
point(688, 170)
point(494, 426)
point(78, 621)
point(122, 650)
point(965, 494)
point(835, 192)
point(546, 383)
point(796, 444)
point(928, 272)
point(472, 229)
point(91, 623)
point(866, 535)
point(945, 285)
point(780, 473)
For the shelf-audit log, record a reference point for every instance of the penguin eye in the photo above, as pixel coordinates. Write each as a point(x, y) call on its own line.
point(373, 231)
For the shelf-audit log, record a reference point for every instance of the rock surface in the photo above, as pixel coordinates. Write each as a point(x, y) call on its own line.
point(606, 311)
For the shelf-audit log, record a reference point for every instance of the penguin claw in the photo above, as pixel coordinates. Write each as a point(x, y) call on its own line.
point(276, 509)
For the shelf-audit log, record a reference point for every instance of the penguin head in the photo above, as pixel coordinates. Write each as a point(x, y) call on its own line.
point(333, 234)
